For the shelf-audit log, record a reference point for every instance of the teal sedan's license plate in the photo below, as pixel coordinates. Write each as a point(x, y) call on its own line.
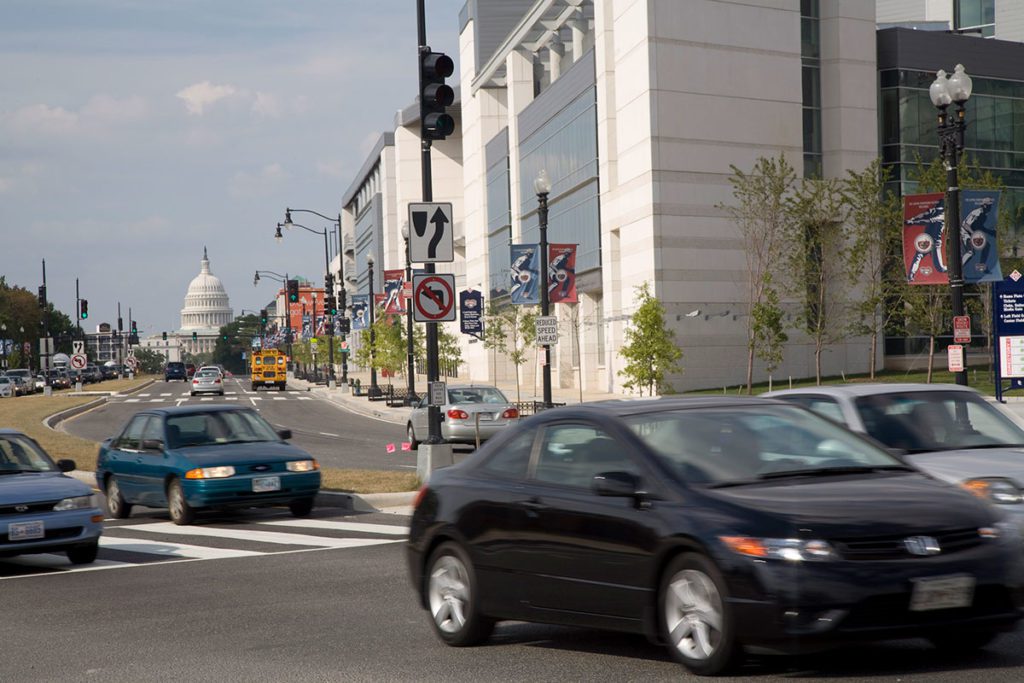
point(25, 531)
point(263, 484)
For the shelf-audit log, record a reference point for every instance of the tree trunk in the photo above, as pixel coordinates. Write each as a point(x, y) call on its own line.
point(817, 363)
point(750, 368)
point(931, 358)
point(874, 353)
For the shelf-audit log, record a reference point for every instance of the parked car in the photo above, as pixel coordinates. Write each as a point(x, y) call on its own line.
point(40, 381)
point(207, 382)
point(109, 371)
point(23, 377)
point(712, 524)
point(41, 509)
point(7, 388)
point(175, 370)
point(470, 407)
point(190, 458)
point(92, 374)
point(947, 430)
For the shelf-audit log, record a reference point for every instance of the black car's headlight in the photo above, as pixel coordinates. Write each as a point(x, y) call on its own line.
point(792, 549)
point(76, 503)
point(302, 465)
point(211, 472)
point(995, 490)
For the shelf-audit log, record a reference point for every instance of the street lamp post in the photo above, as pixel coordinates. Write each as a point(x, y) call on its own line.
point(283, 279)
point(542, 185)
point(374, 389)
point(328, 278)
point(944, 91)
point(410, 351)
point(3, 342)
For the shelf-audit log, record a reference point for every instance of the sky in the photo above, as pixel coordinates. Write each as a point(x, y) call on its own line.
point(135, 132)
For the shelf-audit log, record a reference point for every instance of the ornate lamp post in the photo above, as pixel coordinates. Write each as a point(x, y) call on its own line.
point(944, 91)
point(374, 389)
point(542, 186)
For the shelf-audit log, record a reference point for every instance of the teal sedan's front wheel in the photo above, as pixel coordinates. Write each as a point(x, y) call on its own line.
point(301, 507)
point(116, 505)
point(181, 512)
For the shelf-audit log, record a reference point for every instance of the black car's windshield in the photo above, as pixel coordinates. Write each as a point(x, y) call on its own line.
point(923, 421)
point(221, 427)
point(725, 445)
point(20, 454)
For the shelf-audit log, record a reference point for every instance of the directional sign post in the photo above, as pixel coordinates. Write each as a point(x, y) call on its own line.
point(433, 297)
point(431, 238)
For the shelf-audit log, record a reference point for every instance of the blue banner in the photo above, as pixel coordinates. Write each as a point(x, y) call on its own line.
point(360, 311)
point(525, 272)
point(979, 210)
point(471, 306)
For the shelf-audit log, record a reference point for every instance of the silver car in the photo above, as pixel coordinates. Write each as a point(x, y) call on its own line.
point(470, 410)
point(946, 430)
point(207, 382)
point(6, 386)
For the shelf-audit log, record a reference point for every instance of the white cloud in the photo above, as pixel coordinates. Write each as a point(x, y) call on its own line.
point(104, 109)
point(200, 95)
point(333, 169)
point(42, 119)
point(267, 105)
point(244, 184)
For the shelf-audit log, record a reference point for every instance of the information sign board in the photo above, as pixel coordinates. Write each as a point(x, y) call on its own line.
point(438, 393)
point(962, 329)
point(955, 354)
point(433, 297)
point(431, 234)
point(546, 327)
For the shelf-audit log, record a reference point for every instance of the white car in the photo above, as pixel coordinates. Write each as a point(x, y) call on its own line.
point(6, 387)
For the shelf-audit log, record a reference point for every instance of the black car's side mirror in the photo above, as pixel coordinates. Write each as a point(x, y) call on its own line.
point(285, 434)
point(65, 465)
point(619, 484)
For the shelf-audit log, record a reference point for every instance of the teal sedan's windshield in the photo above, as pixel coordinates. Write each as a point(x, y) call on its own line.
point(723, 446)
point(221, 427)
point(20, 454)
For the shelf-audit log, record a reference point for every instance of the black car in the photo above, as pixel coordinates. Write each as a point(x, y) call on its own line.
point(709, 525)
point(109, 371)
point(175, 370)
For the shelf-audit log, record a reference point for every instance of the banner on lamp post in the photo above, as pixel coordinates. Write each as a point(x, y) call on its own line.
point(525, 273)
point(924, 234)
point(979, 211)
point(393, 283)
point(360, 311)
point(562, 273)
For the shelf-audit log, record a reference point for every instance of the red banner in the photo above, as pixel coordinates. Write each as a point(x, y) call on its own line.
point(393, 280)
point(924, 239)
point(562, 273)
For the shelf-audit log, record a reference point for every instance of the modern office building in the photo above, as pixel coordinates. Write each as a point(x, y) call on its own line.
point(1000, 19)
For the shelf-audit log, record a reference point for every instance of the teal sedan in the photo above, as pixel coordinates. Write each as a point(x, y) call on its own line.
point(189, 459)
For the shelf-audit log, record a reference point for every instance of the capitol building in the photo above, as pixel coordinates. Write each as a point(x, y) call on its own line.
point(207, 308)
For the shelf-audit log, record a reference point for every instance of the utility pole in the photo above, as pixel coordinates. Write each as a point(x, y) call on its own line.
point(433, 371)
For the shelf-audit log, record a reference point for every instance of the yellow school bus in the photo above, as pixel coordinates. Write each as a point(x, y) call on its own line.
point(269, 368)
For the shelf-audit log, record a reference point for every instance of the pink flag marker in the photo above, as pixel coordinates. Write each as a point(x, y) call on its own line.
point(391, 448)
point(406, 446)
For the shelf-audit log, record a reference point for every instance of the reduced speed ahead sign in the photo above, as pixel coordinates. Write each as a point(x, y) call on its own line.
point(433, 297)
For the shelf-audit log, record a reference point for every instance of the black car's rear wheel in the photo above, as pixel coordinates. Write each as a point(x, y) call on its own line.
point(451, 595)
point(83, 554)
point(181, 512)
point(116, 505)
point(694, 617)
point(301, 507)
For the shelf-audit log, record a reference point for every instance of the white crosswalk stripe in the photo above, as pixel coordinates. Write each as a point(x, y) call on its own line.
point(149, 543)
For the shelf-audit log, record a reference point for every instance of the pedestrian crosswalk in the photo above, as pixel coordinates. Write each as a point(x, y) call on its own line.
point(170, 397)
point(148, 540)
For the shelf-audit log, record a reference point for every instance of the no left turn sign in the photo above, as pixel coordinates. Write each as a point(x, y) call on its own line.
point(433, 298)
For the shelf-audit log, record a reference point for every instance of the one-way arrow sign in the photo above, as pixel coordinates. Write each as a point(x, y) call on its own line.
point(431, 238)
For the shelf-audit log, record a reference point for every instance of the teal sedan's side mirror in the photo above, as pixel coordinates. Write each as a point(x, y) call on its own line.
point(152, 445)
point(65, 465)
point(285, 434)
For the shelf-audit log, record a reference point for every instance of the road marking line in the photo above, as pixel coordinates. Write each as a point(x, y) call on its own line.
point(389, 529)
point(156, 400)
point(280, 398)
point(175, 550)
point(329, 434)
point(258, 536)
point(206, 398)
point(305, 398)
point(132, 400)
point(167, 394)
point(231, 398)
point(144, 395)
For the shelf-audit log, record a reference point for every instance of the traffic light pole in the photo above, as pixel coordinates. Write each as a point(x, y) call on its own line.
point(433, 371)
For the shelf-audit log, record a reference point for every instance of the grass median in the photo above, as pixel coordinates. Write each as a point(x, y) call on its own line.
point(26, 413)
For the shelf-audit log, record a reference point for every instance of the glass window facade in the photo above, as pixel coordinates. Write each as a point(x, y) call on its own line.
point(975, 16)
point(994, 137)
point(499, 227)
point(810, 64)
point(566, 147)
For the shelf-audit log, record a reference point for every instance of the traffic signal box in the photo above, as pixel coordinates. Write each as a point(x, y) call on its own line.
point(293, 291)
point(435, 95)
point(83, 309)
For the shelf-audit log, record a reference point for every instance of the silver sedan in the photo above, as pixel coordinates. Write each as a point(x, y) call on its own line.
point(207, 382)
point(946, 430)
point(471, 411)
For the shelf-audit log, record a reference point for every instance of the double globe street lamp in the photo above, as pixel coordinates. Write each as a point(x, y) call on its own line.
point(946, 90)
point(374, 389)
point(542, 186)
point(283, 279)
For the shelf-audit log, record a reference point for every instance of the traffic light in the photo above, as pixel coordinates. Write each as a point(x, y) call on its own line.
point(263, 316)
point(224, 337)
point(135, 328)
point(345, 325)
point(195, 336)
point(164, 334)
point(435, 95)
point(331, 304)
point(293, 291)
point(42, 296)
point(83, 309)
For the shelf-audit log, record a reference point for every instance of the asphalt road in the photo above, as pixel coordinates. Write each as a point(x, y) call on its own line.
point(283, 612)
point(333, 435)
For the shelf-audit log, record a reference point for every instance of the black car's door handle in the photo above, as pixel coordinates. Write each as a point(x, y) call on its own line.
point(533, 506)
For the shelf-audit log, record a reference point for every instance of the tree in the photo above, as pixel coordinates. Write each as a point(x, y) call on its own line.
point(876, 223)
point(649, 349)
point(509, 329)
point(817, 260)
point(232, 340)
point(151, 361)
point(769, 331)
point(449, 353)
point(761, 213)
point(389, 350)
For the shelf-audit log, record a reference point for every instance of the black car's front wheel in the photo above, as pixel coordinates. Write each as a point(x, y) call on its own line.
point(181, 512)
point(116, 505)
point(451, 595)
point(694, 617)
point(962, 641)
